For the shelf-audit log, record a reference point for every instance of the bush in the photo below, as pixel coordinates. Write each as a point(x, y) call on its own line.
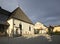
point(56, 33)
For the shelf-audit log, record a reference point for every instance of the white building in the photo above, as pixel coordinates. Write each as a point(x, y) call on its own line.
point(20, 24)
point(40, 28)
point(16, 23)
point(56, 28)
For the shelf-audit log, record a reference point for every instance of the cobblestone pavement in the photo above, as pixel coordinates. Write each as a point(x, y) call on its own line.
point(34, 39)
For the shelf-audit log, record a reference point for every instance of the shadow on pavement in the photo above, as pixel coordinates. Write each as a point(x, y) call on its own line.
point(34, 40)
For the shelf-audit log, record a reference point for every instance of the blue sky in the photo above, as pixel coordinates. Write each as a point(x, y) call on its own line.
point(45, 11)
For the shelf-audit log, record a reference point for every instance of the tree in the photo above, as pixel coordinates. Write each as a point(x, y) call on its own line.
point(50, 29)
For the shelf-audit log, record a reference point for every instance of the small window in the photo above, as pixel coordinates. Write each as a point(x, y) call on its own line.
point(36, 31)
point(29, 28)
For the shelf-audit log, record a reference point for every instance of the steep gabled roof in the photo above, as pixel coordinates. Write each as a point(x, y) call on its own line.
point(4, 15)
point(19, 14)
point(5, 12)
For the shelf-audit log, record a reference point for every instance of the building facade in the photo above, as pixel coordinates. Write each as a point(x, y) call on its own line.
point(15, 23)
point(40, 28)
point(3, 21)
point(56, 28)
point(20, 24)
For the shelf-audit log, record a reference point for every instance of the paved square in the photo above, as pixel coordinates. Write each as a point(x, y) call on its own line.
point(55, 39)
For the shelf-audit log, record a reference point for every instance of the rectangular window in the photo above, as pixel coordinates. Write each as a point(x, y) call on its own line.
point(29, 28)
point(20, 26)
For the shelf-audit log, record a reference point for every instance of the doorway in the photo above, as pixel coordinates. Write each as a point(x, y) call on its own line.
point(20, 26)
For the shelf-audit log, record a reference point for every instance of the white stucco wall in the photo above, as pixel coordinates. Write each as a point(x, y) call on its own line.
point(56, 29)
point(10, 28)
point(25, 27)
point(40, 26)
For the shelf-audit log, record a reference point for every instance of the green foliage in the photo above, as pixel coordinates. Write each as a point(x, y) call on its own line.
point(56, 33)
point(50, 30)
